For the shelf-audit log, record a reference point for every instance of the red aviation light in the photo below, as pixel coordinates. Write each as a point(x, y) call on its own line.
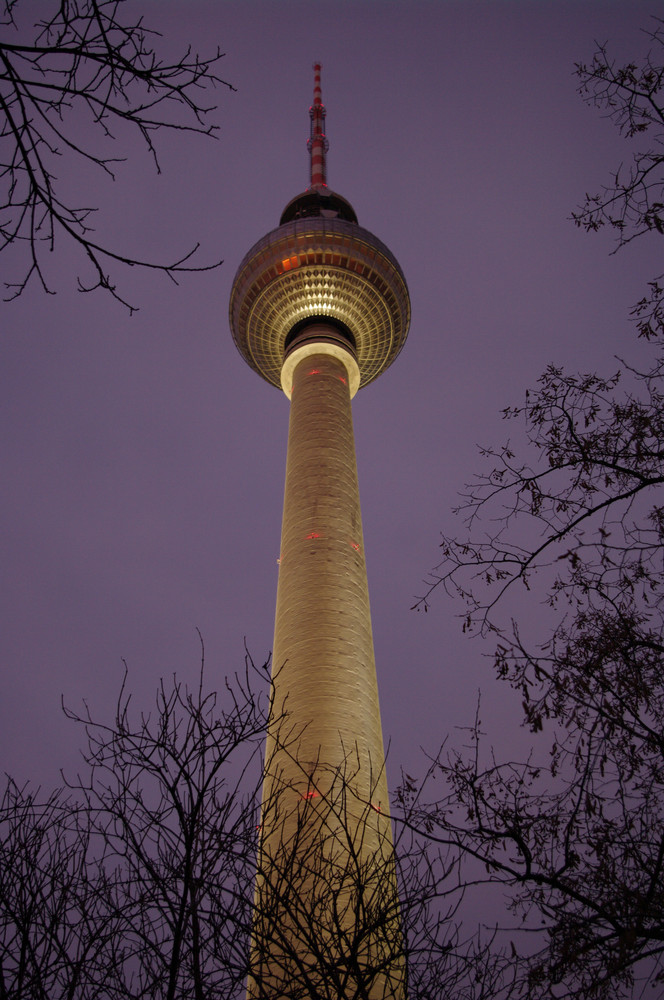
point(314, 371)
point(312, 534)
point(311, 795)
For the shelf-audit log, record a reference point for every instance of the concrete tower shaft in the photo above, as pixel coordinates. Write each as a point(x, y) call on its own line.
point(326, 897)
point(323, 621)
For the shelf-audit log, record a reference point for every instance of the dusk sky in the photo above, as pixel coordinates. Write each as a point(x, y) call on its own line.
point(143, 461)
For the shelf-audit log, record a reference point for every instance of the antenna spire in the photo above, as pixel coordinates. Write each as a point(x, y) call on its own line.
point(318, 143)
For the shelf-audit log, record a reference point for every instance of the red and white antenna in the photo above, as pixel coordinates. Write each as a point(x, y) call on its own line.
point(318, 144)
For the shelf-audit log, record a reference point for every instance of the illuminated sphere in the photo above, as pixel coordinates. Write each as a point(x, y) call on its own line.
point(319, 265)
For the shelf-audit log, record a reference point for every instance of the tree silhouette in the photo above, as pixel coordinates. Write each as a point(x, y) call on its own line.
point(84, 75)
point(575, 517)
point(139, 877)
point(632, 205)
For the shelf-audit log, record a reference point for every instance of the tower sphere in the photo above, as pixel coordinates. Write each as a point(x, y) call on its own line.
point(319, 264)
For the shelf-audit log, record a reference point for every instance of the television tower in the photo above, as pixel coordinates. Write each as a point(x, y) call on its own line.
point(320, 307)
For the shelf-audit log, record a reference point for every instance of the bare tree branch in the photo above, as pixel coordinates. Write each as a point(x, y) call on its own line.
point(89, 62)
point(574, 514)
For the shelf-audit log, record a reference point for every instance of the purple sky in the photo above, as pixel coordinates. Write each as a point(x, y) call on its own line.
point(143, 461)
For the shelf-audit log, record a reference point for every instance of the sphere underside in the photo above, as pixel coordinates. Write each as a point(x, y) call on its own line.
point(312, 268)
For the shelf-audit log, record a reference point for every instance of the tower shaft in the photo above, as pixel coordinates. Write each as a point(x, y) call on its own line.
point(323, 641)
point(326, 901)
